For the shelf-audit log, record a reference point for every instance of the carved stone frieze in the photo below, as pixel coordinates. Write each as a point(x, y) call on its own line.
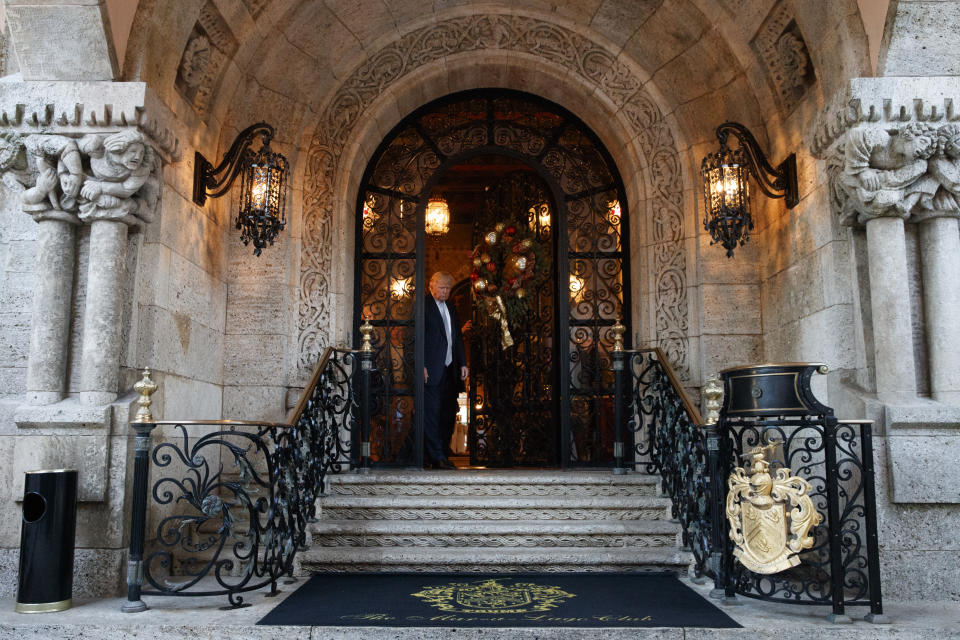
point(780, 47)
point(209, 48)
point(892, 148)
point(116, 176)
point(911, 172)
point(549, 43)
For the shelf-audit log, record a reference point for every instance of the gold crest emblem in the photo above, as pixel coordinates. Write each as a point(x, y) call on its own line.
point(770, 515)
point(490, 596)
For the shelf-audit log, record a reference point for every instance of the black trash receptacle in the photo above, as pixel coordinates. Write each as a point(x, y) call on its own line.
point(47, 541)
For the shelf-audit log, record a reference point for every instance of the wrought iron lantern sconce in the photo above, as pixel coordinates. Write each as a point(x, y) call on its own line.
point(263, 185)
point(726, 187)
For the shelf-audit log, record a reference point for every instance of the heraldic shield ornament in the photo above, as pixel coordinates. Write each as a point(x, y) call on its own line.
point(490, 596)
point(770, 515)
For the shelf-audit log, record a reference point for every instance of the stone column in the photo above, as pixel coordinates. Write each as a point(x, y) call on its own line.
point(47, 363)
point(892, 331)
point(940, 257)
point(100, 357)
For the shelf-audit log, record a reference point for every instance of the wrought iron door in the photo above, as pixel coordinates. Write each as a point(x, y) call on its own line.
point(589, 290)
point(513, 404)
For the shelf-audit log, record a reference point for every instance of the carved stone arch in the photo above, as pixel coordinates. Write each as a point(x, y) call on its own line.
point(612, 85)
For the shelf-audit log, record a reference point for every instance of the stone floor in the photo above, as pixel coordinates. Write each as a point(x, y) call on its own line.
point(173, 618)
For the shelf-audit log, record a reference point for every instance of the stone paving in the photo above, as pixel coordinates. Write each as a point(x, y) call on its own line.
point(173, 618)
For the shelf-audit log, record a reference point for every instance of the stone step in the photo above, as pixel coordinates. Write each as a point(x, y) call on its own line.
point(505, 560)
point(493, 483)
point(492, 508)
point(494, 533)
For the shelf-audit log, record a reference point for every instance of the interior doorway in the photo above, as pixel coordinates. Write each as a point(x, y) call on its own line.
point(516, 166)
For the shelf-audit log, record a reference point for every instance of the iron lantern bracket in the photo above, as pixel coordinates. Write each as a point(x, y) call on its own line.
point(779, 182)
point(213, 182)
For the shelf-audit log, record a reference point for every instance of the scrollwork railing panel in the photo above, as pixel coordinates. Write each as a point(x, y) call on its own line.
point(229, 501)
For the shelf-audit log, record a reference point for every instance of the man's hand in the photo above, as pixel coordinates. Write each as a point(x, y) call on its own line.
point(425, 376)
point(464, 372)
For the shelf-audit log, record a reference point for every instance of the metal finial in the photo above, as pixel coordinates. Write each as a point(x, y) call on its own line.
point(366, 333)
point(712, 399)
point(618, 330)
point(146, 388)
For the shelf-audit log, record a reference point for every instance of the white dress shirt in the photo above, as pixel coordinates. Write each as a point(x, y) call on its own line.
point(445, 314)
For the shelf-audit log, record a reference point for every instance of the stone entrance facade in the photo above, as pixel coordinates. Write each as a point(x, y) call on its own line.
point(108, 267)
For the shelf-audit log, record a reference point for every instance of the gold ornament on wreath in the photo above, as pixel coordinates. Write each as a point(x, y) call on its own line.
point(504, 271)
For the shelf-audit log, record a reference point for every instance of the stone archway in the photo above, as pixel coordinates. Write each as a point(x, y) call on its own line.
point(614, 83)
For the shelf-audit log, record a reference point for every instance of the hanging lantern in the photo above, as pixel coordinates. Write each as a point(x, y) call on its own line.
point(726, 187)
point(263, 179)
point(262, 212)
point(437, 216)
point(726, 193)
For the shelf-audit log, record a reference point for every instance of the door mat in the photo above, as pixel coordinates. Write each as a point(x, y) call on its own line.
point(497, 600)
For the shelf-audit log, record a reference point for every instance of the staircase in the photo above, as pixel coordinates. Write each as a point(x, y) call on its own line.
point(494, 521)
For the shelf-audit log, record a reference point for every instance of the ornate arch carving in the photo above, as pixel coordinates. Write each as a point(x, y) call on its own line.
point(521, 34)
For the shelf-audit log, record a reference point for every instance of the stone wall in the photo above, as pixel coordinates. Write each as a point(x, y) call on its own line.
point(230, 334)
point(170, 313)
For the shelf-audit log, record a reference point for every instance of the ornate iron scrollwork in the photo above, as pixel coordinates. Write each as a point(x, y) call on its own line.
point(232, 499)
point(590, 228)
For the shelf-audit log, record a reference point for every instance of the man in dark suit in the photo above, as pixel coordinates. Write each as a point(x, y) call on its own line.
point(445, 365)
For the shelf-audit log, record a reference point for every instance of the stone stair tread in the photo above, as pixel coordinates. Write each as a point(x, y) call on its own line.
point(495, 477)
point(495, 527)
point(492, 502)
point(426, 556)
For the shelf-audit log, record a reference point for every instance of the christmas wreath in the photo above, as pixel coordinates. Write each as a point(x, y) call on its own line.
point(505, 271)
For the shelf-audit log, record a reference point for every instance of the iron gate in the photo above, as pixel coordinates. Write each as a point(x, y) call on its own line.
point(590, 284)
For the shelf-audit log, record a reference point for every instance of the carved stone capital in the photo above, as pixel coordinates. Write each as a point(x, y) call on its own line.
point(888, 155)
point(98, 176)
point(79, 108)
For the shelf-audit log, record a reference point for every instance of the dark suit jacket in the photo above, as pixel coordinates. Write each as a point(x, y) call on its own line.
point(435, 344)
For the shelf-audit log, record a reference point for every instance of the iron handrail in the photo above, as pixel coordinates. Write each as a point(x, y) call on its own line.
point(232, 503)
point(691, 408)
point(298, 410)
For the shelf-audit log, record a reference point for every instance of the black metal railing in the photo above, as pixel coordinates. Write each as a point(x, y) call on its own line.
point(668, 439)
point(229, 501)
point(771, 407)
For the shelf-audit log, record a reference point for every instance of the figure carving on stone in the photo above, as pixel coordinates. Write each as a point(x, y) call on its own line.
point(196, 57)
point(52, 180)
point(121, 164)
point(944, 168)
point(793, 61)
point(885, 171)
